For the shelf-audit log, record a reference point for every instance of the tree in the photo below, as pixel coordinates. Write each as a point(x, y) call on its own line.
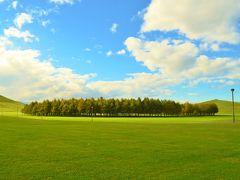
point(117, 107)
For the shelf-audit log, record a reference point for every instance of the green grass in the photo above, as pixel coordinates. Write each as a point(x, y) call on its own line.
point(8, 105)
point(178, 120)
point(115, 148)
point(225, 107)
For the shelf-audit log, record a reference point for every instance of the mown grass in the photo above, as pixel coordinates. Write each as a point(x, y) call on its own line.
point(113, 148)
point(180, 119)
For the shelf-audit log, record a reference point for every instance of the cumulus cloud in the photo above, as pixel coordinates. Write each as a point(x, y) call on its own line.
point(171, 62)
point(181, 60)
point(167, 56)
point(216, 67)
point(136, 85)
point(22, 19)
point(38, 79)
point(114, 27)
point(214, 20)
point(14, 32)
point(41, 79)
point(4, 41)
point(211, 47)
point(215, 47)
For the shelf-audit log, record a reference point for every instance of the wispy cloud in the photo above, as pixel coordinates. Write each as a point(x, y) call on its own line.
point(114, 27)
point(25, 35)
point(109, 53)
point(64, 1)
point(121, 52)
point(45, 23)
point(14, 4)
point(87, 50)
point(22, 19)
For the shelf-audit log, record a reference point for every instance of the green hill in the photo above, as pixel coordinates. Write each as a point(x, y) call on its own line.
point(9, 105)
point(225, 107)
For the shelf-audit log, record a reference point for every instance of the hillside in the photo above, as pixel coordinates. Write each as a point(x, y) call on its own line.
point(225, 107)
point(9, 105)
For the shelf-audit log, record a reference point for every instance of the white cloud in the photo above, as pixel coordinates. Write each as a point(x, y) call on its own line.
point(87, 50)
point(41, 79)
point(63, 1)
point(136, 85)
point(4, 41)
point(109, 53)
point(114, 27)
point(25, 35)
point(181, 60)
point(45, 23)
point(214, 68)
point(211, 47)
point(172, 62)
point(38, 79)
point(121, 52)
point(14, 4)
point(214, 20)
point(22, 19)
point(40, 12)
point(1, 1)
point(215, 47)
point(214, 82)
point(168, 56)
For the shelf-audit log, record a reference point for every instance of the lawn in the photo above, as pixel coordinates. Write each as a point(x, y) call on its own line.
point(119, 148)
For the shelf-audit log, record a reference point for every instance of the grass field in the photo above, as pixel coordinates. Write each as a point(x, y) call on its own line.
point(118, 148)
point(115, 148)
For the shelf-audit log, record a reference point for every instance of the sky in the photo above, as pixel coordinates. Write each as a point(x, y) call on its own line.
point(181, 50)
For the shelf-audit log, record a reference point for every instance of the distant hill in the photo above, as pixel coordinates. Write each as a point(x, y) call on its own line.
point(225, 107)
point(9, 105)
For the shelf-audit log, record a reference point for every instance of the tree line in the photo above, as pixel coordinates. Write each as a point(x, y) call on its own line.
point(117, 107)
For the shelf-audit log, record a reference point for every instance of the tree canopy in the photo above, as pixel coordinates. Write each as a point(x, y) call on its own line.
point(117, 107)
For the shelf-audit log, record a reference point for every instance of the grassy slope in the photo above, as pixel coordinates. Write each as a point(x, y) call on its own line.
point(225, 107)
point(132, 149)
point(7, 105)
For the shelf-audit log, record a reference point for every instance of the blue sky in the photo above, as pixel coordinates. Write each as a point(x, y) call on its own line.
point(148, 48)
